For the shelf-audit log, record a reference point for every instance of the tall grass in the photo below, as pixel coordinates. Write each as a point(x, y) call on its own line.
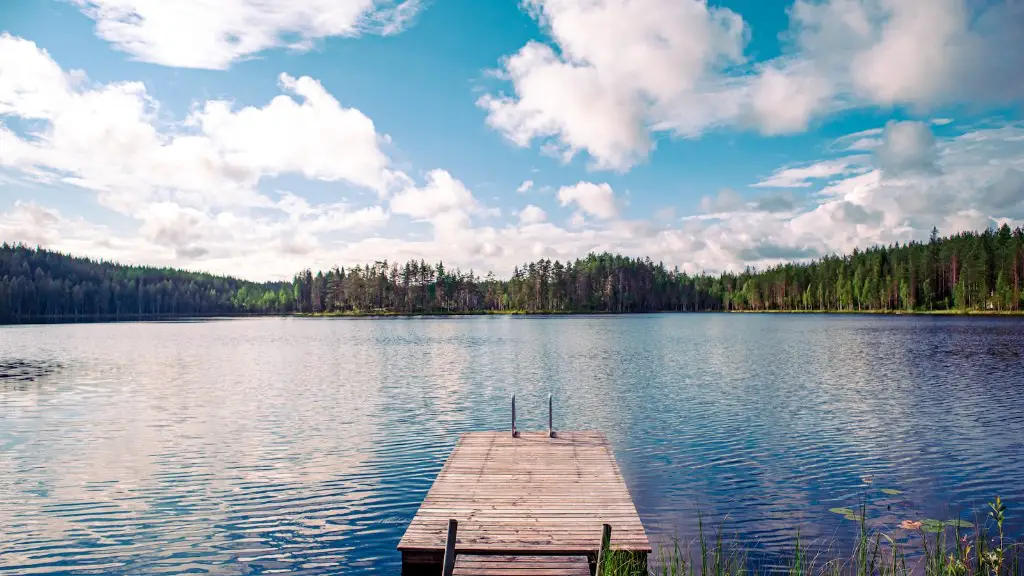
point(875, 552)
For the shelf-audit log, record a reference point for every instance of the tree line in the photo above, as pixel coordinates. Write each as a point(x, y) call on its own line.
point(38, 285)
point(966, 271)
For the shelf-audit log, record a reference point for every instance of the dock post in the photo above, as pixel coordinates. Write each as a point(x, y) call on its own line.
point(551, 428)
point(449, 549)
point(602, 554)
point(514, 415)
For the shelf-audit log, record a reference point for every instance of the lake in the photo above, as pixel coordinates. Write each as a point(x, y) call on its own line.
point(306, 445)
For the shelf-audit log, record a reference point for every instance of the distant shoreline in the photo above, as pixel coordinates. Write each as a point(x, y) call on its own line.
point(351, 314)
point(129, 318)
point(889, 312)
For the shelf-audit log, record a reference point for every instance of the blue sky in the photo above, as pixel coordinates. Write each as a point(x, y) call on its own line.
point(259, 138)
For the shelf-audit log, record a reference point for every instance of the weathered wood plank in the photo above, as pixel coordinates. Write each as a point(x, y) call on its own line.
point(529, 495)
point(474, 565)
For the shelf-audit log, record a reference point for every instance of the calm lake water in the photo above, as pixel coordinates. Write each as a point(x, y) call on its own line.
point(306, 446)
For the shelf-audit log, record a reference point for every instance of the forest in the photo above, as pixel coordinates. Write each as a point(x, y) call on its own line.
point(964, 272)
point(38, 285)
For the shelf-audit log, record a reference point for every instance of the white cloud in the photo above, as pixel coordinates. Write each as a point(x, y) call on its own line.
point(727, 200)
point(108, 138)
point(965, 221)
point(801, 177)
point(525, 187)
point(441, 194)
point(594, 199)
point(191, 185)
point(923, 54)
point(906, 147)
point(864, 144)
point(785, 100)
point(317, 137)
point(679, 66)
point(596, 95)
point(863, 140)
point(205, 34)
point(330, 217)
point(532, 215)
point(980, 181)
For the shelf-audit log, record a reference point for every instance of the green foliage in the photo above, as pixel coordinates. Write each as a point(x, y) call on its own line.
point(952, 273)
point(875, 552)
point(40, 285)
point(965, 272)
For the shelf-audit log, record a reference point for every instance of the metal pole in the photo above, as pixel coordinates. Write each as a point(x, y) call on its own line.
point(602, 553)
point(449, 549)
point(551, 428)
point(513, 414)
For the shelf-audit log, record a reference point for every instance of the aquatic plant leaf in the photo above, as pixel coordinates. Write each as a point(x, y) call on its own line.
point(853, 517)
point(932, 525)
point(841, 511)
point(959, 523)
point(911, 524)
point(891, 491)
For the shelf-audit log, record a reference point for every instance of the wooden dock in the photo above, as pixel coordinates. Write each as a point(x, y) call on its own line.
point(525, 503)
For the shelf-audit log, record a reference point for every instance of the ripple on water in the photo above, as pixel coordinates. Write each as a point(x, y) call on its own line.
point(306, 447)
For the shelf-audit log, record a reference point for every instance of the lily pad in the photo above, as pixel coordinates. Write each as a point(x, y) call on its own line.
point(891, 492)
point(853, 517)
point(911, 525)
point(959, 523)
point(841, 511)
point(932, 525)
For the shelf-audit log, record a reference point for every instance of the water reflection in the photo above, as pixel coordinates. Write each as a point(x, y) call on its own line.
point(306, 445)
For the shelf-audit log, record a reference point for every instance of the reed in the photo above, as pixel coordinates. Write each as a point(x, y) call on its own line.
point(946, 551)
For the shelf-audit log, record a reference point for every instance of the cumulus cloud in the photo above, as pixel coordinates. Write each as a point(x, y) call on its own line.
point(441, 194)
point(532, 215)
point(593, 199)
point(922, 54)
point(595, 94)
point(906, 147)
point(976, 185)
point(204, 34)
point(193, 184)
point(776, 202)
point(726, 200)
point(197, 189)
point(525, 187)
point(108, 137)
point(679, 66)
point(1005, 196)
point(785, 99)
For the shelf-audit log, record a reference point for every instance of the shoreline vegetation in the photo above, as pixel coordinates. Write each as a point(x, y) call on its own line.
point(967, 274)
point(929, 547)
point(168, 317)
point(391, 314)
point(353, 314)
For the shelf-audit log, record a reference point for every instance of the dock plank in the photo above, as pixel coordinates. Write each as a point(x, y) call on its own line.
point(525, 496)
point(476, 565)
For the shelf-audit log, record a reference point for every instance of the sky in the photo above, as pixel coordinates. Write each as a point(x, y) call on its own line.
point(257, 138)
